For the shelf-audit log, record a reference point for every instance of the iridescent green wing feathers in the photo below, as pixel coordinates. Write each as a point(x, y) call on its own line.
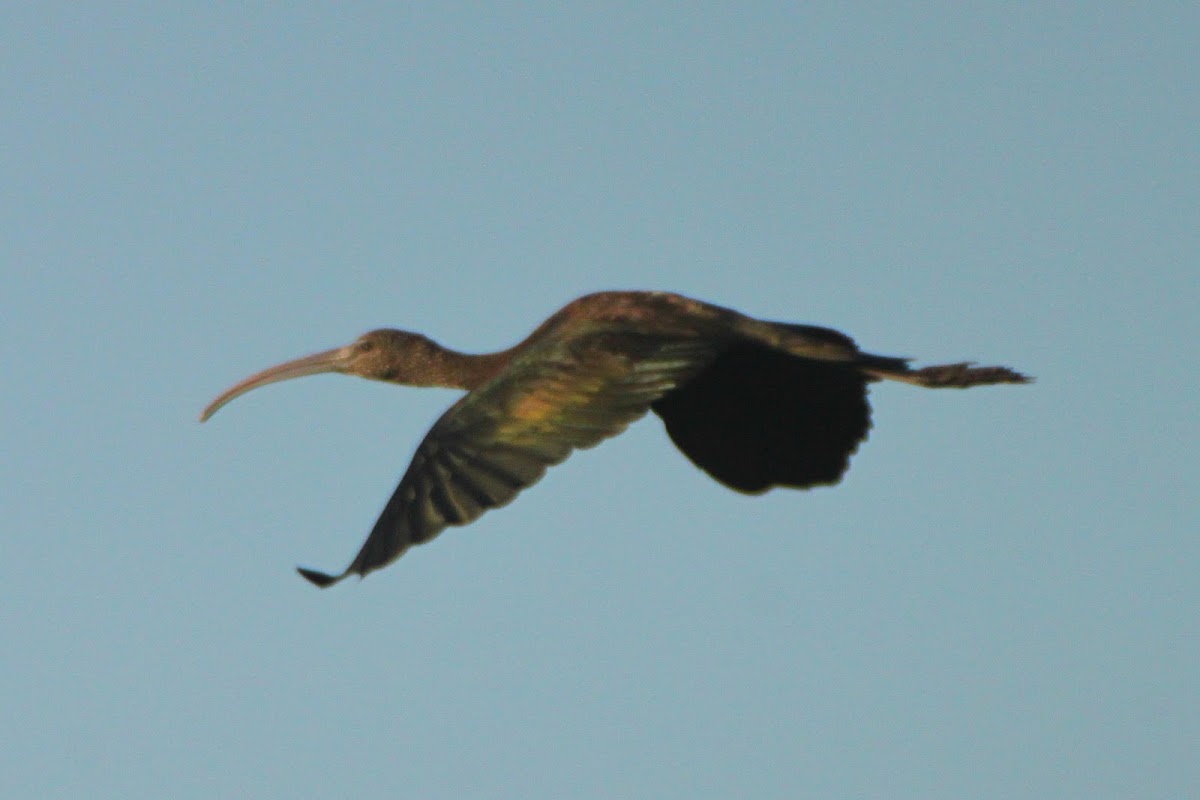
point(570, 392)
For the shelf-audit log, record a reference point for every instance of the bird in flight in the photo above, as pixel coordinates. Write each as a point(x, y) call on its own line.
point(755, 404)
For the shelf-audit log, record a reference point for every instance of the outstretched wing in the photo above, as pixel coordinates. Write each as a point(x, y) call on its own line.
point(757, 418)
point(565, 393)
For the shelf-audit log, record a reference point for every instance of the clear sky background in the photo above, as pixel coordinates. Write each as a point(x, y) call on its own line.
point(1000, 600)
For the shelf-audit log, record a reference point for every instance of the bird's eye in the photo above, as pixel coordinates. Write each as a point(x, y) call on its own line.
point(366, 346)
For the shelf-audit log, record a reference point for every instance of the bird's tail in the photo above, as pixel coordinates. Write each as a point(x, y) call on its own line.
point(826, 344)
point(941, 376)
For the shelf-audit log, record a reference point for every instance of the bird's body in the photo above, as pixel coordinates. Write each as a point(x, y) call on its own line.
point(755, 404)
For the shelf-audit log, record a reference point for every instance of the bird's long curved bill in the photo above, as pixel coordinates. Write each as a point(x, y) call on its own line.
point(327, 361)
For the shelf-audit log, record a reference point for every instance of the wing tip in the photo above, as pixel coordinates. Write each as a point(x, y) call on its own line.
point(321, 580)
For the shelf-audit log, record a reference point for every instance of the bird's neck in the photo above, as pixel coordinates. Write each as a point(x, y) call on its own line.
point(455, 370)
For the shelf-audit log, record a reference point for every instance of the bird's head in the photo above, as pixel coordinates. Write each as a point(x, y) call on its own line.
point(382, 355)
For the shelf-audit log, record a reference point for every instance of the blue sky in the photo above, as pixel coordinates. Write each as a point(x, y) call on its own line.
point(1000, 600)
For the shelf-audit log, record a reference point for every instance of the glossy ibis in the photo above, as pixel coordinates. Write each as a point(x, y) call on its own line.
point(755, 404)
